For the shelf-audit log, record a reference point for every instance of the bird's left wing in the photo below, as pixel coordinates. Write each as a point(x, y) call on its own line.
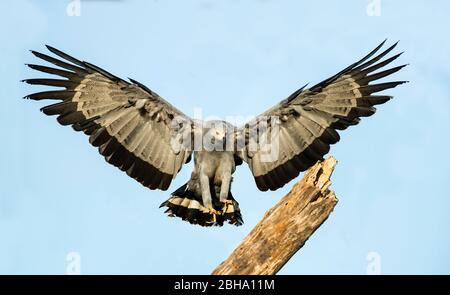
point(131, 125)
point(296, 133)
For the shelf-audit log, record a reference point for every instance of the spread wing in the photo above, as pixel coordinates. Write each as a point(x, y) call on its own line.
point(308, 120)
point(129, 123)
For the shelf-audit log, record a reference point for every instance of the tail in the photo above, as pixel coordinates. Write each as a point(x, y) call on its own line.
point(187, 204)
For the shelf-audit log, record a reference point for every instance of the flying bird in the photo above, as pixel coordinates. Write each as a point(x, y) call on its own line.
point(142, 134)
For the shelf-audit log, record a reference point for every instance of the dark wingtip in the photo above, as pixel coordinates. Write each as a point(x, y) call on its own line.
point(37, 54)
point(395, 44)
point(398, 68)
point(51, 48)
point(163, 204)
point(381, 44)
point(400, 83)
point(27, 81)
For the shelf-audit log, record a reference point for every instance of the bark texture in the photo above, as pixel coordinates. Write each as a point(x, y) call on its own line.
point(285, 227)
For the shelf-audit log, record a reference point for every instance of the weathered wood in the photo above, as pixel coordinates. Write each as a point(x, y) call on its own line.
point(285, 227)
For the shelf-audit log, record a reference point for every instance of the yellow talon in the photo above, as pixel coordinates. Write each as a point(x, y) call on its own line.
point(226, 203)
point(214, 214)
point(214, 211)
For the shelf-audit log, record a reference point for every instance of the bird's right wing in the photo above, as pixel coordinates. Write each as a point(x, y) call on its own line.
point(306, 122)
point(131, 125)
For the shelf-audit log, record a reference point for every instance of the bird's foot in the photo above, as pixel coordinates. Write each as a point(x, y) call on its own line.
point(225, 205)
point(213, 212)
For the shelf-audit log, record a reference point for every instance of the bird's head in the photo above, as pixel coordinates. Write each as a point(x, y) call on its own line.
point(216, 133)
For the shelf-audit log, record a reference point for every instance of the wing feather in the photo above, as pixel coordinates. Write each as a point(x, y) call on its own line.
point(310, 118)
point(129, 123)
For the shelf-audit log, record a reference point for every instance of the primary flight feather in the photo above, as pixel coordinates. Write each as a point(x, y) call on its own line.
point(142, 134)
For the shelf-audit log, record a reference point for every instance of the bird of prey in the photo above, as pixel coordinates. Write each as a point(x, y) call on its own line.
point(142, 134)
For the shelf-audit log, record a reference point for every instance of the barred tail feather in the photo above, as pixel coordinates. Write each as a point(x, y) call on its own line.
point(187, 205)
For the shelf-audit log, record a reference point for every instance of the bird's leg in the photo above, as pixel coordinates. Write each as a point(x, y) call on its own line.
point(225, 187)
point(206, 193)
point(224, 190)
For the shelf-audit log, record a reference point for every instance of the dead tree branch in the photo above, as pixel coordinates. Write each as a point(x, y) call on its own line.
point(286, 227)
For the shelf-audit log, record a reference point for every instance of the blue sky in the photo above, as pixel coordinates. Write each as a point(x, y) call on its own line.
point(57, 195)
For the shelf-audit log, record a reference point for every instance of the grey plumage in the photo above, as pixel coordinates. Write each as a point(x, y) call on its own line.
point(313, 116)
point(142, 134)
